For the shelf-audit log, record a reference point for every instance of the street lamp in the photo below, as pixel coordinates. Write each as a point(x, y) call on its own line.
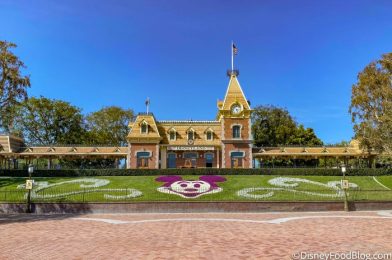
point(30, 170)
point(344, 187)
point(29, 187)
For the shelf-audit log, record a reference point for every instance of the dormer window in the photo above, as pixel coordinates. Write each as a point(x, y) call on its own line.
point(209, 134)
point(191, 135)
point(172, 135)
point(236, 131)
point(144, 128)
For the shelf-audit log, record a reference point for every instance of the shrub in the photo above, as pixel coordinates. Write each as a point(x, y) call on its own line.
point(199, 171)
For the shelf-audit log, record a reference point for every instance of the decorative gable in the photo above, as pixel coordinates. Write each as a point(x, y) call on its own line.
point(234, 94)
point(138, 135)
point(51, 150)
point(171, 129)
point(190, 129)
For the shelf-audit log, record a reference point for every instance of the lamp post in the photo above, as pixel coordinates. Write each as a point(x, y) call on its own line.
point(344, 187)
point(29, 186)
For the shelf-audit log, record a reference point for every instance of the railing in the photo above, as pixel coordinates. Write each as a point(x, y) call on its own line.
point(107, 195)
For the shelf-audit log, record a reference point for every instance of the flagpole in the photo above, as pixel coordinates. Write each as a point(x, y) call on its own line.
point(148, 104)
point(232, 57)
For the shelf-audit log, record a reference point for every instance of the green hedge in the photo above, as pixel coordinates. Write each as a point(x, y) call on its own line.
point(200, 171)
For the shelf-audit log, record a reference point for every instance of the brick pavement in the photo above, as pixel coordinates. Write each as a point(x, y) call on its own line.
point(192, 236)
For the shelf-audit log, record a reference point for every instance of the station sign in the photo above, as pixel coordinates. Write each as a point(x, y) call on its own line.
point(190, 148)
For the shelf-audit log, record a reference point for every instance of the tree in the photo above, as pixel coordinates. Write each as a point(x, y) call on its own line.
point(109, 125)
point(371, 105)
point(304, 136)
point(48, 121)
point(274, 126)
point(12, 84)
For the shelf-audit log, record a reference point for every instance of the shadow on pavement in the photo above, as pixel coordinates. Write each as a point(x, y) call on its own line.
point(22, 218)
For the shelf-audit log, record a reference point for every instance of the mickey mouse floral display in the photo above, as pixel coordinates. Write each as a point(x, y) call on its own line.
point(190, 189)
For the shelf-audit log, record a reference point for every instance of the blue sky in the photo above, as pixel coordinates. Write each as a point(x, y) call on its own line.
point(301, 55)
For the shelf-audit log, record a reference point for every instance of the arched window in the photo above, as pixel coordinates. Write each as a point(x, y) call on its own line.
point(236, 131)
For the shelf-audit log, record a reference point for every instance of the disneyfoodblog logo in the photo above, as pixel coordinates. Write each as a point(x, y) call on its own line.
point(350, 255)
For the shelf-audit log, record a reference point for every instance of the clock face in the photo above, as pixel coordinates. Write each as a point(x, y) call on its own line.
point(236, 109)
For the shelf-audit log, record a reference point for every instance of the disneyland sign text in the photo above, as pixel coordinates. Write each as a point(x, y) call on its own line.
point(190, 148)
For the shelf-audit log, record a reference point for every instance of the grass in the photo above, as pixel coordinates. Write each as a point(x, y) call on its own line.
point(367, 189)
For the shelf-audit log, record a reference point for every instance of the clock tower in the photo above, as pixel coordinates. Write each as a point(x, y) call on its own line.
point(234, 115)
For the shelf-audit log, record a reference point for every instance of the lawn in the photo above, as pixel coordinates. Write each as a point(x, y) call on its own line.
point(220, 188)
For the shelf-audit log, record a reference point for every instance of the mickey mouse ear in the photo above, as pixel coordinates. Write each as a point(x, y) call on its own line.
point(212, 178)
point(169, 179)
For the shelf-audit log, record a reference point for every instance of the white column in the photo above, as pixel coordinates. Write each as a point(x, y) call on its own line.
point(163, 157)
point(217, 158)
point(129, 157)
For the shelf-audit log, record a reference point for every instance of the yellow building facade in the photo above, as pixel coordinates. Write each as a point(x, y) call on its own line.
point(222, 143)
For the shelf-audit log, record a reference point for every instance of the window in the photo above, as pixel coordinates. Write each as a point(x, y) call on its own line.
point(209, 159)
point(171, 160)
point(190, 160)
point(237, 159)
point(209, 135)
point(191, 135)
point(237, 131)
point(144, 128)
point(142, 159)
point(172, 135)
point(190, 155)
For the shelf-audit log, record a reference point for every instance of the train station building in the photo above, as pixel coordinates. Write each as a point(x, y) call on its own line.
point(153, 144)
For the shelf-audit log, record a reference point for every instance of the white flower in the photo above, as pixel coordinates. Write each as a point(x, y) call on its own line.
point(289, 184)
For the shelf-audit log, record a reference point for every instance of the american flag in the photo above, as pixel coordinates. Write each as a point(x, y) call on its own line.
point(235, 50)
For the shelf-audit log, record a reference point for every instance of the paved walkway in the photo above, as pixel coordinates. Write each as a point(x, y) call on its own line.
point(193, 236)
